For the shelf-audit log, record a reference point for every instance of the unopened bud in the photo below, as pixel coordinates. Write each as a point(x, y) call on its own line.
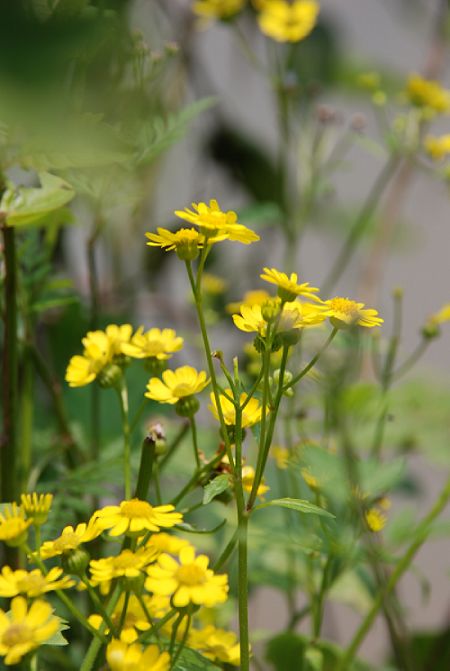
point(187, 407)
point(110, 376)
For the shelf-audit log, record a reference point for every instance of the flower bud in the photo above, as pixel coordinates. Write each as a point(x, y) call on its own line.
point(187, 407)
point(270, 309)
point(431, 330)
point(155, 366)
point(75, 562)
point(187, 250)
point(110, 376)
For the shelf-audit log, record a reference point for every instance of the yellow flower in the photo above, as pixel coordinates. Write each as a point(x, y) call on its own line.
point(281, 456)
point(213, 222)
point(188, 581)
point(13, 525)
point(251, 414)
point(126, 564)
point(257, 297)
point(437, 147)
point(153, 343)
point(345, 312)
point(309, 478)
point(248, 477)
point(217, 9)
point(32, 583)
point(135, 621)
point(427, 94)
point(288, 22)
point(213, 284)
point(123, 657)
point(70, 539)
point(176, 384)
point(186, 242)
point(135, 517)
point(288, 289)
point(23, 630)
point(375, 519)
point(216, 644)
point(97, 354)
point(295, 315)
point(118, 336)
point(36, 506)
point(163, 542)
point(442, 316)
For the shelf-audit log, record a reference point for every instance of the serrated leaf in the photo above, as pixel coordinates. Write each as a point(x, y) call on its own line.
point(215, 487)
point(58, 639)
point(161, 133)
point(30, 206)
point(300, 505)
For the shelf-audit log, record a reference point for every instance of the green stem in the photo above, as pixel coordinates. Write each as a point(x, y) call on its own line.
point(174, 444)
point(98, 604)
point(145, 468)
point(312, 363)
point(422, 532)
point(243, 589)
point(226, 554)
point(96, 643)
point(9, 367)
point(412, 359)
point(198, 475)
point(138, 414)
point(194, 440)
point(27, 412)
point(182, 642)
point(361, 223)
point(123, 399)
point(93, 324)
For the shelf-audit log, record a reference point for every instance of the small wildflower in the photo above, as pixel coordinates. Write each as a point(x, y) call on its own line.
point(23, 630)
point(443, 315)
point(13, 525)
point(187, 581)
point(295, 315)
point(214, 222)
point(163, 542)
point(428, 94)
point(288, 22)
point(70, 540)
point(36, 506)
point(217, 9)
point(126, 564)
point(155, 343)
point(281, 456)
point(251, 413)
point(213, 284)
point(186, 242)
point(135, 620)
point(288, 288)
point(123, 657)
point(257, 297)
point(176, 384)
point(135, 517)
point(248, 478)
point(344, 312)
point(375, 519)
point(32, 583)
point(216, 644)
point(437, 147)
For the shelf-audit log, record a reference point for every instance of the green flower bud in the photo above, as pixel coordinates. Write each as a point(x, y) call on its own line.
point(110, 376)
point(155, 366)
point(187, 407)
point(270, 309)
point(431, 330)
point(75, 562)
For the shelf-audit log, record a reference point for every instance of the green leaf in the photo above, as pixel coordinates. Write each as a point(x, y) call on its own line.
point(300, 505)
point(189, 528)
point(190, 660)
point(286, 651)
point(30, 206)
point(215, 487)
point(156, 136)
point(58, 638)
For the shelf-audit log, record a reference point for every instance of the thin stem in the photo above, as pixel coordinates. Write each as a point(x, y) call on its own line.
point(97, 603)
point(174, 444)
point(227, 552)
point(93, 324)
point(412, 359)
point(243, 589)
point(123, 399)
point(312, 363)
point(26, 420)
point(194, 440)
point(422, 532)
point(182, 642)
point(361, 223)
point(96, 643)
point(138, 414)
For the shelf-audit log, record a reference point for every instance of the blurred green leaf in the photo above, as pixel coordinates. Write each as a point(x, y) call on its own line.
point(300, 505)
point(190, 660)
point(25, 206)
point(215, 487)
point(286, 651)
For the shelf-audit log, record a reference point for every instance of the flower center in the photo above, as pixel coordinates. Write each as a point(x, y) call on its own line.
point(31, 583)
point(191, 574)
point(345, 306)
point(126, 560)
point(17, 634)
point(135, 508)
point(69, 541)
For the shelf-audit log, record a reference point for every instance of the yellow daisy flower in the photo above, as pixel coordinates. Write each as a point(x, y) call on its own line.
point(135, 517)
point(437, 147)
point(123, 657)
point(83, 370)
point(213, 221)
point(257, 297)
point(428, 94)
point(295, 315)
point(213, 284)
point(32, 583)
point(187, 581)
point(248, 477)
point(118, 336)
point(157, 343)
point(442, 316)
point(344, 312)
point(251, 414)
point(288, 22)
point(176, 384)
point(126, 564)
point(375, 519)
point(13, 525)
point(36, 506)
point(281, 456)
point(163, 542)
point(70, 539)
point(217, 9)
point(23, 630)
point(186, 242)
point(135, 620)
point(288, 288)
point(216, 644)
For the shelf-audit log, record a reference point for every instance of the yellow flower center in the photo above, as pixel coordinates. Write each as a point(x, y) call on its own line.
point(66, 542)
point(17, 634)
point(126, 560)
point(190, 574)
point(344, 306)
point(13, 527)
point(135, 508)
